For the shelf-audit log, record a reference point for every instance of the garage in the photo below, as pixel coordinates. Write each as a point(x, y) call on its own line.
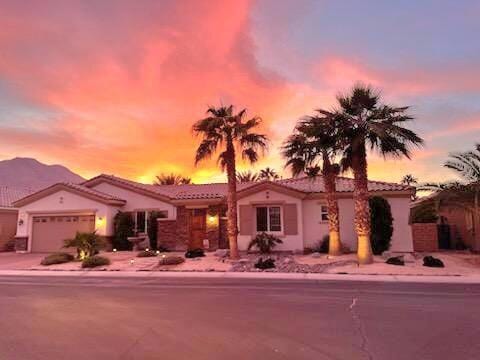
point(49, 232)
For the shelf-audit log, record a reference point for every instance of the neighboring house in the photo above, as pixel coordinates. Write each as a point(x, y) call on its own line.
point(9, 214)
point(194, 215)
point(452, 225)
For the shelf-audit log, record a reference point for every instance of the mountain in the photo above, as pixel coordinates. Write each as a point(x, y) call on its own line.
point(29, 173)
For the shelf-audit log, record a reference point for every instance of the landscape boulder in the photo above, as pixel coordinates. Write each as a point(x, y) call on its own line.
point(431, 261)
point(397, 260)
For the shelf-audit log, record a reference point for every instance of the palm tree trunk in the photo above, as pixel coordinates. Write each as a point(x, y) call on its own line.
point(362, 207)
point(232, 229)
point(329, 176)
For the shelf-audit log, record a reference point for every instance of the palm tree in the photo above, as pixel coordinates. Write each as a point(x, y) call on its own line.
point(172, 179)
point(376, 126)
point(268, 174)
point(246, 176)
point(466, 164)
point(234, 133)
point(409, 180)
point(315, 141)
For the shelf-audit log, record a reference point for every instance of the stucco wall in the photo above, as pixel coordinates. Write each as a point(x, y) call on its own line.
point(290, 242)
point(314, 229)
point(66, 202)
point(8, 226)
point(136, 201)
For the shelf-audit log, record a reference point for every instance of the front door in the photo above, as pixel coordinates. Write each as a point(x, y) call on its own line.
point(198, 231)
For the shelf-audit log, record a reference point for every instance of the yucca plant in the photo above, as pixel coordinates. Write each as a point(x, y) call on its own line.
point(264, 242)
point(87, 244)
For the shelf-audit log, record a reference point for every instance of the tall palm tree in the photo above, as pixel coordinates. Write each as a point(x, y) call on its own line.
point(246, 176)
point(235, 134)
point(409, 180)
point(315, 141)
point(172, 179)
point(375, 126)
point(268, 174)
point(466, 164)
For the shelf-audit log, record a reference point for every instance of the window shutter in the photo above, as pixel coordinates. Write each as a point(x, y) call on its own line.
point(246, 219)
point(290, 218)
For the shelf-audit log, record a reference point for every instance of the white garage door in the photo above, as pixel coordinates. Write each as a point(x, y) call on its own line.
point(49, 232)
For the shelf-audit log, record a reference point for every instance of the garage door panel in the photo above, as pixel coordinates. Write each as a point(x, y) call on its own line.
point(49, 232)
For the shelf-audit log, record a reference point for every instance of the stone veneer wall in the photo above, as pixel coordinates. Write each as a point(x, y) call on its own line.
point(425, 237)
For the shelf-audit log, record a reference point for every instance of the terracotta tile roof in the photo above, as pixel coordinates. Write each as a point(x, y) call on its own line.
point(8, 195)
point(76, 187)
point(343, 184)
point(219, 190)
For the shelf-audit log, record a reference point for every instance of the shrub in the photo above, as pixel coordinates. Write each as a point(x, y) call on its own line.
point(397, 260)
point(382, 224)
point(424, 213)
point(57, 258)
point(265, 264)
point(94, 261)
point(87, 244)
point(146, 253)
point(152, 227)
point(431, 261)
point(123, 224)
point(194, 253)
point(322, 245)
point(264, 242)
point(171, 260)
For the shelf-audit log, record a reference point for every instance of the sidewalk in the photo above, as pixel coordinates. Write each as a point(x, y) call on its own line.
point(468, 279)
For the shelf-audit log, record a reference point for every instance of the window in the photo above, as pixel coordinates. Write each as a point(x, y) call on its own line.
point(141, 221)
point(269, 219)
point(323, 213)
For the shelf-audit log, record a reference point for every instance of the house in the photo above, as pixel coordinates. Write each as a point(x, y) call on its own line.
point(194, 215)
point(445, 222)
point(9, 214)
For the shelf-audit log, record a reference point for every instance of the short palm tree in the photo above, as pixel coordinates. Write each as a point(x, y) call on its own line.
point(409, 180)
point(235, 134)
point(268, 174)
point(375, 126)
point(172, 179)
point(315, 141)
point(246, 176)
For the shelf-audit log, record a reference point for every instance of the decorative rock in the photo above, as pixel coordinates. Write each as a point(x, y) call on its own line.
point(431, 261)
point(398, 260)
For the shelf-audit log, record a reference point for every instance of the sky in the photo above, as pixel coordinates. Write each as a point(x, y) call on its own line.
point(114, 86)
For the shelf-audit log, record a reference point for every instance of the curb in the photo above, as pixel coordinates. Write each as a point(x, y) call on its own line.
point(452, 279)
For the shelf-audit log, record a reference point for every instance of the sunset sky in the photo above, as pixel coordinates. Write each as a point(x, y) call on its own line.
point(114, 86)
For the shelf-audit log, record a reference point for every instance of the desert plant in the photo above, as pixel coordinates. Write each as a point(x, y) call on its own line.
point(265, 264)
point(381, 224)
point(124, 225)
point(264, 242)
point(146, 253)
point(86, 243)
point(94, 261)
point(171, 260)
point(231, 131)
point(321, 246)
point(152, 227)
point(194, 253)
point(57, 258)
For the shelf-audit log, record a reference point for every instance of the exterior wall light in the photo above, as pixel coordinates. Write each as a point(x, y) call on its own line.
point(20, 222)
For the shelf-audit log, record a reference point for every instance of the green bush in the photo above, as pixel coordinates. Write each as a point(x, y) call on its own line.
point(86, 243)
point(57, 258)
point(264, 242)
point(95, 261)
point(152, 227)
point(322, 245)
point(171, 260)
point(146, 253)
point(381, 224)
point(123, 225)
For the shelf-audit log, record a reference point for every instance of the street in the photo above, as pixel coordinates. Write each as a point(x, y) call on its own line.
point(143, 318)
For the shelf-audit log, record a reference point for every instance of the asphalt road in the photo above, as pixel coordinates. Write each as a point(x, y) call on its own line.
point(98, 318)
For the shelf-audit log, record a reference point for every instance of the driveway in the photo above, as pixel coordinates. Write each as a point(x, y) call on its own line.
point(146, 318)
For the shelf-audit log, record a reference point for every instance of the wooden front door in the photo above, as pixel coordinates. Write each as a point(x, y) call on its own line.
point(198, 228)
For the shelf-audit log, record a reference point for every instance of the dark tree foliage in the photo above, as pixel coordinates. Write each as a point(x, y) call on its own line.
point(124, 227)
point(382, 224)
point(152, 228)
